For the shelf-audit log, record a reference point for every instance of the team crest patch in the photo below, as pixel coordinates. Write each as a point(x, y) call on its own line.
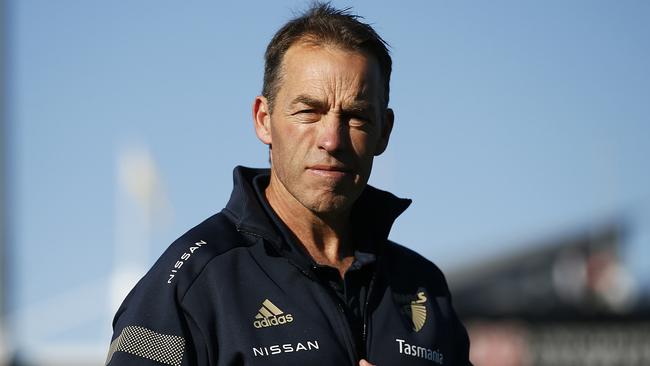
point(415, 309)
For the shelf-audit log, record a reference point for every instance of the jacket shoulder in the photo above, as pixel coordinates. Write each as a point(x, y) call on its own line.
point(153, 308)
point(408, 265)
point(182, 262)
point(188, 255)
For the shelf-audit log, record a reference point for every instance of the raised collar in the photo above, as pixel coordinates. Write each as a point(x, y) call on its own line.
point(373, 214)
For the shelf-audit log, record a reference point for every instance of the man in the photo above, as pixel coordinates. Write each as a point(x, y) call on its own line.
point(297, 269)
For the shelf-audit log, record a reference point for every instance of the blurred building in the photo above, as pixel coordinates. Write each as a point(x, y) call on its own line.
point(567, 301)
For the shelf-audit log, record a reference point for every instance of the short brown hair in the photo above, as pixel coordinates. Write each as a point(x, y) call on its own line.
point(324, 24)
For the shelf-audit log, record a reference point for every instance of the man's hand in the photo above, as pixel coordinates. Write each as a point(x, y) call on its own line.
point(365, 363)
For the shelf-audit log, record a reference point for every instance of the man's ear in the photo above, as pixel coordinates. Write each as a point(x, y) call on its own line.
point(262, 119)
point(386, 129)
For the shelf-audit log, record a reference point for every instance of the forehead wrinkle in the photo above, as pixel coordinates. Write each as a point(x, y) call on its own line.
point(356, 104)
point(308, 100)
point(347, 91)
point(333, 85)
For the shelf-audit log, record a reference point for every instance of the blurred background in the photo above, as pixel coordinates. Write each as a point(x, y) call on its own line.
point(522, 135)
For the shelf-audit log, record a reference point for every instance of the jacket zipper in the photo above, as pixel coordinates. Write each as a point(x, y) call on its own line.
point(342, 318)
point(364, 334)
point(346, 329)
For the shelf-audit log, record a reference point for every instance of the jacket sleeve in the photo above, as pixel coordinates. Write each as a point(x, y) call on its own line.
point(461, 342)
point(152, 328)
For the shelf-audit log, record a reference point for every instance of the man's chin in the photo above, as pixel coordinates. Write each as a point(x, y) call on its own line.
point(328, 204)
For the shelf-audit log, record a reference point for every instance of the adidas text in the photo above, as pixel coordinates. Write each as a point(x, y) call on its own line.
point(274, 320)
point(270, 315)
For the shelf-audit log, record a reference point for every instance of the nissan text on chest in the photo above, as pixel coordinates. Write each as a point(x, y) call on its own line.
point(298, 267)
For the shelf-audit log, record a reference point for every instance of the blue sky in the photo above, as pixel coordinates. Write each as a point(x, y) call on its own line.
point(515, 121)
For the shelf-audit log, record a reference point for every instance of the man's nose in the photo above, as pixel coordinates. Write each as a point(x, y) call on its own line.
point(332, 134)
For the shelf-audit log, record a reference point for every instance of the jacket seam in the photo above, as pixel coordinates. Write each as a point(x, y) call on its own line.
point(205, 266)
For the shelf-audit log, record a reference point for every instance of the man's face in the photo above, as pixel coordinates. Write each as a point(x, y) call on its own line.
point(327, 124)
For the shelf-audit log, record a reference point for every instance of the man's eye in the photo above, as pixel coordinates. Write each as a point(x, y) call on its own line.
point(307, 115)
point(358, 120)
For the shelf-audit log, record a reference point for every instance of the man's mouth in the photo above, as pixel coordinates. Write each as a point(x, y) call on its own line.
point(330, 171)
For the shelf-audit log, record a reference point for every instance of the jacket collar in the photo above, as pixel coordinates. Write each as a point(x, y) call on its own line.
point(373, 214)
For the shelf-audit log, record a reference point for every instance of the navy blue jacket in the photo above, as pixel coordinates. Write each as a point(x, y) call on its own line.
point(232, 291)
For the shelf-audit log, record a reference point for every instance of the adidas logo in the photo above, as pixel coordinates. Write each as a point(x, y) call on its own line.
point(270, 315)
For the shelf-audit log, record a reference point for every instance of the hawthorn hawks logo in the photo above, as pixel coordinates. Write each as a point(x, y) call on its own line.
point(418, 311)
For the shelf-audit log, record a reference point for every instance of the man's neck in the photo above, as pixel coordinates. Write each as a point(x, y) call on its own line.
point(326, 238)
